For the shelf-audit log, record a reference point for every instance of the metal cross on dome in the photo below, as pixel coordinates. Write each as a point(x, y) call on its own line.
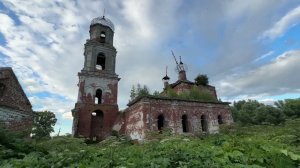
point(179, 66)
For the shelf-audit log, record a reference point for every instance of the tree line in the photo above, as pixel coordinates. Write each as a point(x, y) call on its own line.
point(253, 112)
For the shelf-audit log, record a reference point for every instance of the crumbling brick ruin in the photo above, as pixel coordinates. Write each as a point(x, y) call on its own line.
point(96, 112)
point(15, 109)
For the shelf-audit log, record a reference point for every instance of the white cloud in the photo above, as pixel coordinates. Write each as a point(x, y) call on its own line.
point(59, 106)
point(275, 78)
point(291, 19)
point(6, 23)
point(67, 115)
point(264, 56)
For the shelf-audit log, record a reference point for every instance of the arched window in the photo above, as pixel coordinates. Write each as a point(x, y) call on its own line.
point(98, 96)
point(220, 121)
point(2, 88)
point(96, 124)
point(184, 123)
point(203, 123)
point(102, 37)
point(160, 122)
point(100, 64)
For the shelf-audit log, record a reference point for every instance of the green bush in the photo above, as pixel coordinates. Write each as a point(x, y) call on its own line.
point(14, 144)
point(193, 94)
point(201, 79)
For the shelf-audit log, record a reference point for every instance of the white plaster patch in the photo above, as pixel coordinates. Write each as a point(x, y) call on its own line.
point(136, 128)
point(94, 83)
point(136, 135)
point(118, 126)
point(213, 127)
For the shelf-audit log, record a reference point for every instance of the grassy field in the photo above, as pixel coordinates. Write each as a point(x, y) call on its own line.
point(251, 146)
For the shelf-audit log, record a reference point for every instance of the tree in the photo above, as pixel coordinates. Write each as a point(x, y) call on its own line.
point(268, 115)
point(43, 124)
point(201, 79)
point(156, 93)
point(290, 107)
point(143, 91)
point(253, 112)
point(138, 91)
point(132, 93)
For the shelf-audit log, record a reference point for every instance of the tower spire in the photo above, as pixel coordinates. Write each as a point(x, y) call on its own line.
point(180, 60)
point(103, 13)
point(167, 70)
point(166, 78)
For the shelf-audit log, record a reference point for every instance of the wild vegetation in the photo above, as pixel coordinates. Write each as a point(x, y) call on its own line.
point(193, 94)
point(270, 139)
point(251, 146)
point(253, 112)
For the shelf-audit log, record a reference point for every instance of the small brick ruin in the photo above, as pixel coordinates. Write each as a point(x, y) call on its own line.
point(96, 113)
point(15, 109)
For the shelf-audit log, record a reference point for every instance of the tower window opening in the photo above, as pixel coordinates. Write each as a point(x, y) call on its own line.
point(184, 121)
point(160, 122)
point(98, 96)
point(100, 64)
point(102, 37)
point(203, 123)
point(220, 121)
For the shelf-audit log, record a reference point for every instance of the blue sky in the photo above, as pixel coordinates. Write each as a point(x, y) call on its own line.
point(248, 48)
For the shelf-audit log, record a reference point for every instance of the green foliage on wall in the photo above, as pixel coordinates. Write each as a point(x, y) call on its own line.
point(138, 90)
point(193, 94)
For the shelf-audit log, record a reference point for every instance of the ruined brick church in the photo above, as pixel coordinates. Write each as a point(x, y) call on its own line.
point(96, 113)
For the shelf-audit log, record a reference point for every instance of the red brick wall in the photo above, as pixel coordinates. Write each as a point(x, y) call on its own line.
point(13, 95)
point(15, 103)
point(85, 110)
point(23, 126)
point(142, 116)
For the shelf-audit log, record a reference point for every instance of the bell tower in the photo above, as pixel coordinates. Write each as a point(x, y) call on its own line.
point(96, 107)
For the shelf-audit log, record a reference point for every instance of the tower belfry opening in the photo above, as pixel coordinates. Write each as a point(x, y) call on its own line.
point(102, 37)
point(100, 64)
point(98, 96)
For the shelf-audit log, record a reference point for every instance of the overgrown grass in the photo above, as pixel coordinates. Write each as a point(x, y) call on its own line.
point(235, 146)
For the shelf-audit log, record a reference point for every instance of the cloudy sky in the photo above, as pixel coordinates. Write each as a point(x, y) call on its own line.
point(248, 48)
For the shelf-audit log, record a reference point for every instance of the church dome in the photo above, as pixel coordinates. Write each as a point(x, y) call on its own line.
point(103, 21)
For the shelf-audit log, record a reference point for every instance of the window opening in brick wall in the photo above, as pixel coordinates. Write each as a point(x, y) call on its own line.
point(203, 123)
point(160, 122)
point(98, 96)
point(220, 120)
point(184, 121)
point(2, 89)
